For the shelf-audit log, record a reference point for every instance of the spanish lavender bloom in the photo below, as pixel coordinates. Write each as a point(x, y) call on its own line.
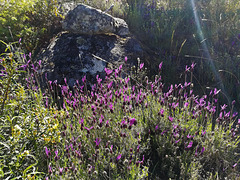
point(125, 59)
point(108, 71)
point(46, 102)
point(234, 114)
point(141, 162)
point(110, 84)
point(141, 66)
point(138, 148)
point(56, 157)
point(98, 140)
point(192, 66)
point(190, 145)
point(216, 92)
point(84, 79)
point(60, 171)
point(47, 152)
point(186, 104)
point(126, 80)
point(49, 169)
point(88, 129)
point(203, 149)
point(118, 157)
point(24, 67)
point(111, 149)
point(161, 112)
point(107, 123)
point(196, 152)
point(223, 107)
point(187, 69)
point(123, 124)
point(111, 107)
point(234, 165)
point(132, 121)
point(177, 141)
point(203, 132)
point(170, 118)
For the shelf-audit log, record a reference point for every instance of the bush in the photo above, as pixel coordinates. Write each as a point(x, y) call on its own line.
point(33, 21)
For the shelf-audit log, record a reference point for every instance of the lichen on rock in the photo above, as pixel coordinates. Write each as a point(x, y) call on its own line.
point(87, 20)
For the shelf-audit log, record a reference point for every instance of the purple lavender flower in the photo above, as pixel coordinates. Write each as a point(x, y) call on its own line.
point(203, 132)
point(196, 153)
point(177, 141)
point(108, 71)
point(141, 66)
point(161, 112)
point(215, 92)
point(50, 169)
point(203, 149)
point(56, 157)
point(223, 107)
point(132, 121)
point(111, 148)
point(234, 165)
point(170, 118)
point(192, 66)
point(190, 145)
point(126, 80)
point(98, 79)
point(60, 171)
point(187, 69)
point(84, 79)
point(88, 129)
point(47, 152)
point(189, 136)
point(107, 123)
point(125, 59)
point(118, 157)
point(98, 140)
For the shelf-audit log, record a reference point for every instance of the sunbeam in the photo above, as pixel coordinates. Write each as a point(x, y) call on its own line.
point(207, 54)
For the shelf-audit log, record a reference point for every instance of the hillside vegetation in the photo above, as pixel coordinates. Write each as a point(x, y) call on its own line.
point(175, 123)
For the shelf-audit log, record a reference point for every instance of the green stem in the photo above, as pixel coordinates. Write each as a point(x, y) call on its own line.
point(6, 94)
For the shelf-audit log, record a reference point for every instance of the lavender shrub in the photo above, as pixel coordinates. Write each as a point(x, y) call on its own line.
point(130, 128)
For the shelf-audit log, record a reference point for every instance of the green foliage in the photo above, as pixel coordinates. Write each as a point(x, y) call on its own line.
point(26, 125)
point(33, 21)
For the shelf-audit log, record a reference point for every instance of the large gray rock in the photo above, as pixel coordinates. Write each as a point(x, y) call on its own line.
point(84, 19)
point(72, 56)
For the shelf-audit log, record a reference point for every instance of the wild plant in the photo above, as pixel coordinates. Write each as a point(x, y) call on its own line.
point(26, 124)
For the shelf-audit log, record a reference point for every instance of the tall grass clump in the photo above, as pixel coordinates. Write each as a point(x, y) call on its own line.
point(171, 30)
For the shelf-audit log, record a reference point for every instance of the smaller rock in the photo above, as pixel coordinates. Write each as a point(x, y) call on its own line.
point(87, 20)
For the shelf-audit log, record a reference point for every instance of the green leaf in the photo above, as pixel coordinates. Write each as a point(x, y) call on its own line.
point(5, 145)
